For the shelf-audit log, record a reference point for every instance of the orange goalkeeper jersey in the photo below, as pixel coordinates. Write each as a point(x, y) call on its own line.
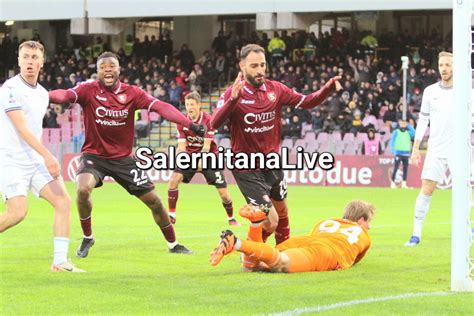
point(346, 239)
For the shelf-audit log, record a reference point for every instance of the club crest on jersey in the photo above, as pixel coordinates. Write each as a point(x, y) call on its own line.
point(271, 96)
point(122, 98)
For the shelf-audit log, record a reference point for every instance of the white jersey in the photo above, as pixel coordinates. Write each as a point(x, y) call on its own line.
point(17, 94)
point(436, 107)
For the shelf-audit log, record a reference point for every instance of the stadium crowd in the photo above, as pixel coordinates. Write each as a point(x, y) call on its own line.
point(370, 67)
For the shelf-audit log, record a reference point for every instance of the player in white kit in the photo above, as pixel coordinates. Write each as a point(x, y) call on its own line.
point(26, 164)
point(436, 108)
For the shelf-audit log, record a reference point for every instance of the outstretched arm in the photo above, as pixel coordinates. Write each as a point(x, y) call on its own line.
point(62, 96)
point(222, 113)
point(312, 100)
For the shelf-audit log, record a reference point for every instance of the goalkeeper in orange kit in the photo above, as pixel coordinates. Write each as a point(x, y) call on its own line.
point(332, 244)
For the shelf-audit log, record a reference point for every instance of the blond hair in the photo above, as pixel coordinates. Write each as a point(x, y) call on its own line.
point(33, 45)
point(193, 95)
point(445, 54)
point(357, 209)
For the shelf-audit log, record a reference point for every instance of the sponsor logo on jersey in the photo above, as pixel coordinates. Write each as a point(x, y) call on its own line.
point(271, 96)
point(251, 118)
point(258, 129)
point(100, 98)
point(195, 139)
point(122, 98)
point(247, 101)
point(104, 112)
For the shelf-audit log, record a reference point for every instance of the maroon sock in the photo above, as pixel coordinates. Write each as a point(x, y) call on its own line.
point(86, 226)
point(229, 209)
point(172, 200)
point(282, 231)
point(168, 233)
point(265, 235)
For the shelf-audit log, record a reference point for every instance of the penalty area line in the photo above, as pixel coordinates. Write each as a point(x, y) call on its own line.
point(321, 308)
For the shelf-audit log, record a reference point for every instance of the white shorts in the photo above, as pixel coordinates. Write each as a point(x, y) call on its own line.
point(435, 169)
point(17, 179)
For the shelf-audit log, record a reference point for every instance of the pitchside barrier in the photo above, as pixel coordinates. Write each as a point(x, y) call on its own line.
point(355, 171)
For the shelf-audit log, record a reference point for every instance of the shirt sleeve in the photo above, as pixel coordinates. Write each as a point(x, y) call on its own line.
point(210, 131)
point(143, 100)
point(181, 137)
point(424, 117)
point(11, 99)
point(80, 91)
point(298, 100)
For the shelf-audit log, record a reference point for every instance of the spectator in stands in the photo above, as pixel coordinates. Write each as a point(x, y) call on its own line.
point(186, 58)
point(285, 129)
point(342, 123)
point(219, 44)
point(356, 124)
point(222, 132)
point(174, 92)
point(369, 40)
point(369, 120)
point(390, 116)
point(317, 120)
point(295, 127)
point(50, 118)
point(416, 100)
point(371, 145)
point(276, 48)
point(306, 127)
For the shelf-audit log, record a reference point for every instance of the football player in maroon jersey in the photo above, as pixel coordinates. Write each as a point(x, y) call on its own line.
point(108, 106)
point(253, 106)
point(189, 142)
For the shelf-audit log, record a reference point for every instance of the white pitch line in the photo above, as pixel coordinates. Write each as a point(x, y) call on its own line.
point(299, 311)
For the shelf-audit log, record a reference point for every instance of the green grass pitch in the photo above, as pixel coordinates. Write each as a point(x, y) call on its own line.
point(129, 270)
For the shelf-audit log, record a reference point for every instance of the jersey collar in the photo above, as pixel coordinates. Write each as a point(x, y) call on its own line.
point(116, 90)
point(26, 82)
point(251, 89)
point(199, 119)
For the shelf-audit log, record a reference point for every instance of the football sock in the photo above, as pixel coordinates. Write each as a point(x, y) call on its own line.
point(229, 209)
point(168, 233)
point(282, 231)
point(86, 224)
point(260, 252)
point(172, 200)
point(61, 245)
point(422, 207)
point(255, 232)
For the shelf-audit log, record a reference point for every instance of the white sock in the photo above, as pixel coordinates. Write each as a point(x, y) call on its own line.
point(422, 207)
point(61, 245)
point(172, 244)
point(238, 244)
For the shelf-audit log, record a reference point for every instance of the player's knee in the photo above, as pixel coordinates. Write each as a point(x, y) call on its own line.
point(83, 192)
point(62, 202)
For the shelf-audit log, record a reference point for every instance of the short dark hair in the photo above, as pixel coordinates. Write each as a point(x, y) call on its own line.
point(107, 55)
point(247, 49)
point(193, 95)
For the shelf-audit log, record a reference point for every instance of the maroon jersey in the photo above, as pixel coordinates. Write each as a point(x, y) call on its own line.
point(195, 143)
point(255, 120)
point(109, 117)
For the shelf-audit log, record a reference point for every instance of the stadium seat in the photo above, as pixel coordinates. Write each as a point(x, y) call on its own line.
point(361, 136)
point(288, 143)
point(335, 136)
point(348, 137)
point(339, 148)
point(66, 132)
point(300, 142)
point(350, 149)
point(55, 135)
point(312, 147)
point(323, 137)
point(309, 136)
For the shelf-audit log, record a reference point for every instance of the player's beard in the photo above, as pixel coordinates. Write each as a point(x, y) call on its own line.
point(254, 82)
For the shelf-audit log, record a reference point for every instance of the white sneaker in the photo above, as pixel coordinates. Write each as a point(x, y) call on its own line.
point(66, 266)
point(393, 185)
point(404, 185)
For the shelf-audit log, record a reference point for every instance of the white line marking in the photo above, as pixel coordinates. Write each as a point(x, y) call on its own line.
point(313, 309)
